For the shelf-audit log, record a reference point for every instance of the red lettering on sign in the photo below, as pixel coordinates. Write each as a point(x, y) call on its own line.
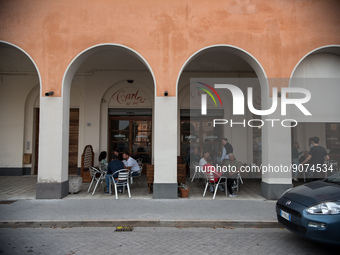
point(128, 98)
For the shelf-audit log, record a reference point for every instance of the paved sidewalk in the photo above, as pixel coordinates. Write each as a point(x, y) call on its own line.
point(249, 209)
point(138, 212)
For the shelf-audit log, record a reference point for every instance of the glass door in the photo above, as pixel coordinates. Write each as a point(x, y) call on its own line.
point(200, 133)
point(131, 134)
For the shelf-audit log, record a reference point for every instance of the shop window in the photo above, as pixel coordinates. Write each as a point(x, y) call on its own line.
point(333, 140)
point(200, 133)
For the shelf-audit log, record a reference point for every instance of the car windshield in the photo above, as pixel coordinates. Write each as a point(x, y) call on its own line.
point(335, 178)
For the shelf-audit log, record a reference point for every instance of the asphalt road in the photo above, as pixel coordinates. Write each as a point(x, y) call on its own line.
point(142, 240)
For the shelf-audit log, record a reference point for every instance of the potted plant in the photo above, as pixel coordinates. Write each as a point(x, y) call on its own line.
point(184, 190)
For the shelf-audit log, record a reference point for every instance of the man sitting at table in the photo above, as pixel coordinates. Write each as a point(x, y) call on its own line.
point(131, 164)
point(204, 160)
point(112, 168)
point(235, 166)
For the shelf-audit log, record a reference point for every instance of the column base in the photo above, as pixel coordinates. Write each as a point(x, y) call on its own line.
point(165, 190)
point(55, 190)
point(273, 191)
point(15, 171)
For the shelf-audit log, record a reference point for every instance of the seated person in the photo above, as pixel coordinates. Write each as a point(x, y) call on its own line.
point(112, 169)
point(201, 163)
point(204, 160)
point(131, 164)
point(208, 168)
point(118, 154)
point(102, 161)
point(194, 156)
point(234, 165)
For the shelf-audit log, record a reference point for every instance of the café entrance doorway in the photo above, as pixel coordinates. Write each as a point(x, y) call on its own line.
point(132, 134)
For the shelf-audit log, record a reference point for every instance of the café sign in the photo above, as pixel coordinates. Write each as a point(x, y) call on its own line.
point(130, 96)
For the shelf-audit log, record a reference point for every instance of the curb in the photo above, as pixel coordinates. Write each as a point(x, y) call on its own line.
point(140, 223)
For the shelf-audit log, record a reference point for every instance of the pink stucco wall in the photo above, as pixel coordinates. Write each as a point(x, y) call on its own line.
point(166, 33)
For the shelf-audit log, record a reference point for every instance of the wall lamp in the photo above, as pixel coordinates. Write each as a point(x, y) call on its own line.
point(50, 93)
point(166, 93)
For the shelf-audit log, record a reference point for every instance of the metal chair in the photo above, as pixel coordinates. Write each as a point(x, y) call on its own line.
point(121, 181)
point(140, 164)
point(96, 175)
point(103, 167)
point(194, 165)
point(139, 161)
point(332, 166)
point(210, 179)
point(238, 180)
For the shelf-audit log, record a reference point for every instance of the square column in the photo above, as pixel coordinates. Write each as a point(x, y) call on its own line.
point(53, 149)
point(276, 156)
point(165, 148)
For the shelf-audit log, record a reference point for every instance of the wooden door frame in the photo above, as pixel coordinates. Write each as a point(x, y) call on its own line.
point(35, 149)
point(129, 118)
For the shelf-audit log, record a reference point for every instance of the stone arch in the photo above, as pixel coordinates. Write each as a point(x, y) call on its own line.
point(30, 58)
point(81, 58)
point(318, 72)
point(20, 76)
point(331, 49)
point(252, 64)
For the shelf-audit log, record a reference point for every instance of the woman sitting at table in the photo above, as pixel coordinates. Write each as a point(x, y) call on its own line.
point(209, 168)
point(102, 161)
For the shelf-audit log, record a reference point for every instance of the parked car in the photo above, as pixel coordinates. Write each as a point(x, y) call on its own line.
point(312, 210)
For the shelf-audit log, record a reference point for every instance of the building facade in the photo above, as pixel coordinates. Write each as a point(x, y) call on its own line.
point(120, 73)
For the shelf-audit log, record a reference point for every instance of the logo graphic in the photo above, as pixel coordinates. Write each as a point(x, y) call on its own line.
point(204, 97)
point(239, 101)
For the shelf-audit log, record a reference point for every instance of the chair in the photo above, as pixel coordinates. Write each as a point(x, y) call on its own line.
point(210, 179)
point(121, 181)
point(195, 165)
point(332, 166)
point(96, 175)
point(139, 161)
point(238, 180)
point(140, 164)
point(103, 167)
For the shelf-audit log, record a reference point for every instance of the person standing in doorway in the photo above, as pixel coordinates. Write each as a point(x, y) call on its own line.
point(226, 150)
point(316, 157)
